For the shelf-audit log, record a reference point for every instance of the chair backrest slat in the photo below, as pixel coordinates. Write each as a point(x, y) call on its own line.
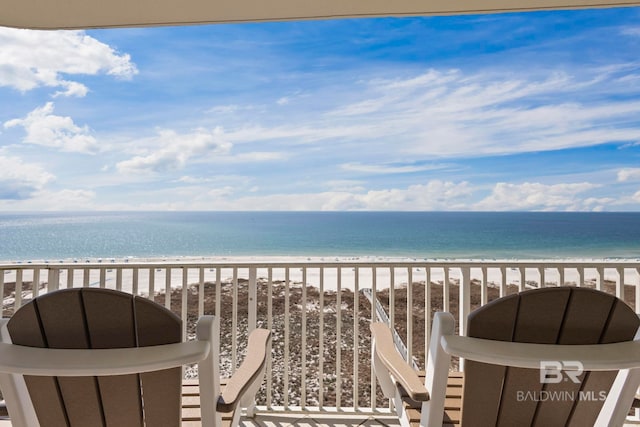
point(99, 318)
point(156, 329)
point(495, 395)
point(121, 398)
point(25, 329)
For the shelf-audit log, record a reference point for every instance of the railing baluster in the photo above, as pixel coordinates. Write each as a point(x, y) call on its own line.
point(599, 277)
point(523, 278)
point(270, 327)
point(86, 279)
point(119, 279)
point(152, 284)
point(374, 296)
point(356, 335)
point(252, 309)
point(53, 279)
point(446, 304)
point(103, 277)
point(303, 347)
point(218, 292)
point(620, 283)
point(409, 318)
point(201, 292)
point(234, 322)
point(35, 282)
point(484, 297)
point(392, 307)
point(561, 276)
point(321, 341)
point(70, 277)
point(503, 281)
point(183, 302)
point(167, 288)
point(464, 307)
point(286, 338)
point(134, 284)
point(18, 291)
point(427, 312)
point(2, 273)
point(392, 298)
point(580, 274)
point(339, 339)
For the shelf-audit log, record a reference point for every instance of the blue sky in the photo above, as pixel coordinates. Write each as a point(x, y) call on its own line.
point(530, 111)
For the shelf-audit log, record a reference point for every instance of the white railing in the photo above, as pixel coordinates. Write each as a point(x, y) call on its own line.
point(316, 310)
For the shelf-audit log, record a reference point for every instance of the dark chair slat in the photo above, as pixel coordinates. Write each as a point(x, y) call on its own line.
point(483, 383)
point(111, 324)
point(161, 389)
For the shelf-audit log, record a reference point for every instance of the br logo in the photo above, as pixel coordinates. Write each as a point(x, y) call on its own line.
point(555, 371)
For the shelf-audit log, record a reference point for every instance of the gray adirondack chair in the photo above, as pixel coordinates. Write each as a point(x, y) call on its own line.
point(561, 356)
point(96, 357)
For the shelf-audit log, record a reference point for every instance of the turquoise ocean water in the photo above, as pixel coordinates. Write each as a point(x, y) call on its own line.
point(57, 236)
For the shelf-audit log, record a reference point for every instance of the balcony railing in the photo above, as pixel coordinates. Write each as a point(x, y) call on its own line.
point(319, 311)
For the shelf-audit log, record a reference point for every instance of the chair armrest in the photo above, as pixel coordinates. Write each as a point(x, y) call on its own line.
point(249, 371)
point(17, 359)
point(594, 357)
point(404, 374)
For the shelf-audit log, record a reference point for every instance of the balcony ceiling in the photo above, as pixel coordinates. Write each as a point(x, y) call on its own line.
point(76, 14)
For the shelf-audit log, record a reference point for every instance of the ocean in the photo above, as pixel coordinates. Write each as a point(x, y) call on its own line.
point(422, 235)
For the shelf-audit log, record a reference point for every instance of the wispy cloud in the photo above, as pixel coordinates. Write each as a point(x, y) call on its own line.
point(630, 31)
point(452, 113)
point(390, 168)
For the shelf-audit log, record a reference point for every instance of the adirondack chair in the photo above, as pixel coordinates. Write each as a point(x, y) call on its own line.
point(96, 357)
point(561, 356)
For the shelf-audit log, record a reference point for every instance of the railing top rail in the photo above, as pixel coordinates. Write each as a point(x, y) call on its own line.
point(433, 263)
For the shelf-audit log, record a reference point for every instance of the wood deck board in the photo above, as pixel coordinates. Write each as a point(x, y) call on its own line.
point(191, 416)
point(452, 405)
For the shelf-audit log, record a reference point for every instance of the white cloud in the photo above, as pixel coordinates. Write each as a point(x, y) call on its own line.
point(346, 185)
point(171, 151)
point(629, 174)
point(46, 129)
point(636, 197)
point(168, 150)
point(389, 168)
point(20, 180)
point(252, 157)
point(537, 196)
point(31, 59)
point(435, 195)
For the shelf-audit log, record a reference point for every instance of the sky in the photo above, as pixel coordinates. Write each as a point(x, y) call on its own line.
point(531, 111)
